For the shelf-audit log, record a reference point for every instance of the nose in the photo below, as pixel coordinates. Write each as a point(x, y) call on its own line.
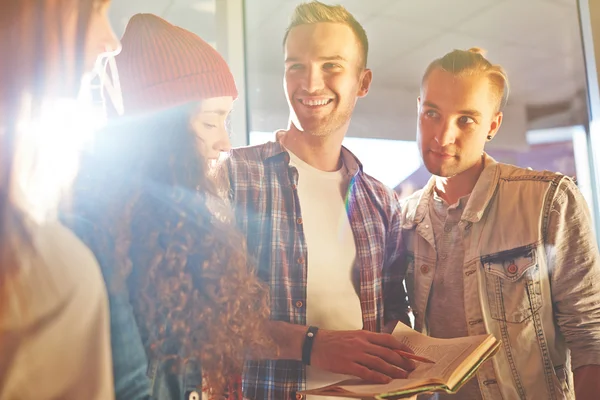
point(313, 81)
point(223, 144)
point(446, 135)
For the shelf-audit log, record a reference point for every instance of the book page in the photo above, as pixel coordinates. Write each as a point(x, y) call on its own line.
point(448, 354)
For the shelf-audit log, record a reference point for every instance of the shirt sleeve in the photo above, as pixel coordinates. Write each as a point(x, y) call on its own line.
point(129, 357)
point(129, 361)
point(395, 299)
point(574, 264)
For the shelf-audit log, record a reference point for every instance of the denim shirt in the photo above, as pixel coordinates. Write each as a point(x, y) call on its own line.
point(135, 376)
point(531, 268)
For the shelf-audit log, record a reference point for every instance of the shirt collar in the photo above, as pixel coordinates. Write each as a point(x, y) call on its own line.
point(478, 200)
point(273, 151)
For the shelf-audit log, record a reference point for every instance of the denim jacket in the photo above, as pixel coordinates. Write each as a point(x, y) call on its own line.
point(135, 377)
point(531, 268)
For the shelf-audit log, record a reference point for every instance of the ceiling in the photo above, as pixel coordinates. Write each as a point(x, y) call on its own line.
point(537, 42)
point(197, 16)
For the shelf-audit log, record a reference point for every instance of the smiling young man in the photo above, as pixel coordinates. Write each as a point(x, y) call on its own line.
point(498, 249)
point(325, 234)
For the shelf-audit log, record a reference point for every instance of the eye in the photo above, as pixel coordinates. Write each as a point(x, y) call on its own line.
point(208, 126)
point(464, 120)
point(431, 114)
point(331, 66)
point(295, 66)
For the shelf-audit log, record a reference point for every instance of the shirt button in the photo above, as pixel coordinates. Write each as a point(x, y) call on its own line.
point(512, 269)
point(299, 396)
point(294, 187)
point(444, 256)
point(193, 396)
point(300, 260)
point(424, 269)
point(447, 228)
point(299, 304)
point(299, 221)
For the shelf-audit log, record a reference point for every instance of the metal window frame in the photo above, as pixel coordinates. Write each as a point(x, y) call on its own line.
point(231, 43)
point(589, 10)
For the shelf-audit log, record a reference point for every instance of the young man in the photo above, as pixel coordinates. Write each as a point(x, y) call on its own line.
point(499, 249)
point(325, 234)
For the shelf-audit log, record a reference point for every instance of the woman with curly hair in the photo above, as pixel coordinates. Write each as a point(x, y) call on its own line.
point(54, 322)
point(185, 302)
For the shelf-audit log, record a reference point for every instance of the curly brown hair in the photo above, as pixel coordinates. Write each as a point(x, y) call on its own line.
point(190, 281)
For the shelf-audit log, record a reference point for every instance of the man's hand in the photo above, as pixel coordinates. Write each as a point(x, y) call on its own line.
point(587, 382)
point(366, 355)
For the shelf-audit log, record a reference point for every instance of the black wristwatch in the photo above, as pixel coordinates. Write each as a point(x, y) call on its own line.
point(307, 346)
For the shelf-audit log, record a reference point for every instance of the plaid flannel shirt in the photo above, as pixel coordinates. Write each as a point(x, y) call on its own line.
point(263, 192)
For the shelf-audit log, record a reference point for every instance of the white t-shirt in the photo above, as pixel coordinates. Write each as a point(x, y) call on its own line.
point(55, 325)
point(332, 300)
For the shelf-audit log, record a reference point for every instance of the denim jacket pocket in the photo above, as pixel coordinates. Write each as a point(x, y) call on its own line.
point(513, 284)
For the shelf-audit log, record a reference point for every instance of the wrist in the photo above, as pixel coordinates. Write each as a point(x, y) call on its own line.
point(288, 338)
point(307, 344)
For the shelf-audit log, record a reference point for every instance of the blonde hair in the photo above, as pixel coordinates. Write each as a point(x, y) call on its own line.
point(315, 12)
point(470, 63)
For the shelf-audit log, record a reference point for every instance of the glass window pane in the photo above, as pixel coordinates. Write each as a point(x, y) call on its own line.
point(537, 42)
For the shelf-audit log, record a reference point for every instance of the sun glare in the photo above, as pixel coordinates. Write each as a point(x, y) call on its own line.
point(49, 152)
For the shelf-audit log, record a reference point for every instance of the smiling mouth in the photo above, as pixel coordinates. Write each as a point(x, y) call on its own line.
point(315, 103)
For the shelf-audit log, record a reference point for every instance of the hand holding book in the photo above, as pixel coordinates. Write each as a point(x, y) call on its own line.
point(455, 362)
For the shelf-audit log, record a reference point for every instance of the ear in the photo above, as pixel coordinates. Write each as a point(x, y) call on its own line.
point(365, 82)
point(495, 125)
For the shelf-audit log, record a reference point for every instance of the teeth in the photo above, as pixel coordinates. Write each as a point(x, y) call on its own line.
point(315, 102)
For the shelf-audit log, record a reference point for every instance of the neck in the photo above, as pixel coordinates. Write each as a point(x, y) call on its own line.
point(453, 188)
point(320, 152)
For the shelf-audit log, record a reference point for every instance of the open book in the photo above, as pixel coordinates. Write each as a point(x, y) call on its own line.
point(456, 361)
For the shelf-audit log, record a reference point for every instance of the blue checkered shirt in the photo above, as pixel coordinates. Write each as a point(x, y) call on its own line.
point(264, 194)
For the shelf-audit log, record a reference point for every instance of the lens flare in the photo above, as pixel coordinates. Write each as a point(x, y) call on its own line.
point(49, 150)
